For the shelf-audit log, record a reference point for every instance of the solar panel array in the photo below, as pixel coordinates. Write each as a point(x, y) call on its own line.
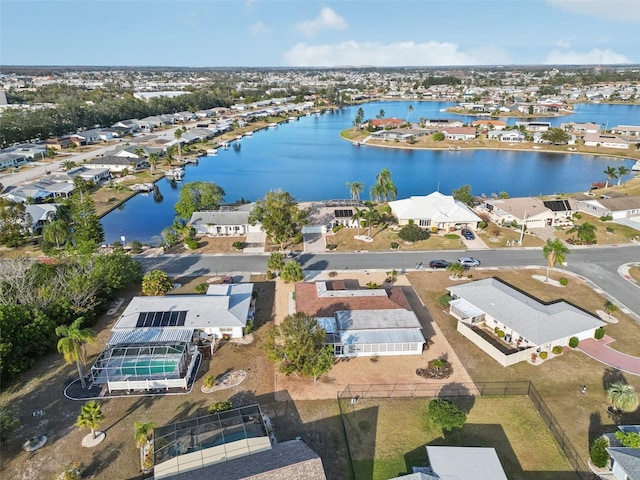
point(344, 213)
point(161, 319)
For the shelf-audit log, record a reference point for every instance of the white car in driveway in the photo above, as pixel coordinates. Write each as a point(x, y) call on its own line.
point(469, 261)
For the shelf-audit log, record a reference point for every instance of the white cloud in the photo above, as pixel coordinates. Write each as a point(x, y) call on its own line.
point(625, 10)
point(258, 28)
point(392, 54)
point(592, 57)
point(328, 19)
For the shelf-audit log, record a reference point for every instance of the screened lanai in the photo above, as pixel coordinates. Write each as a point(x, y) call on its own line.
point(146, 359)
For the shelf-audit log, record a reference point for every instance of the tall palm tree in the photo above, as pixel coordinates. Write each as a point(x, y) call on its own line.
point(91, 416)
point(376, 192)
point(610, 172)
point(355, 189)
point(622, 171)
point(371, 217)
point(381, 114)
point(139, 151)
point(143, 432)
point(68, 165)
point(358, 216)
point(384, 188)
point(555, 252)
point(153, 161)
point(622, 397)
point(409, 110)
point(71, 344)
point(178, 135)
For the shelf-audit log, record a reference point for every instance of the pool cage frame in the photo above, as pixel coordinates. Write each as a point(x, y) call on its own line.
point(179, 356)
point(216, 430)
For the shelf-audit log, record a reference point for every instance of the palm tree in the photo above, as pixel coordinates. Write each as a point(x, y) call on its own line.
point(358, 216)
point(376, 192)
point(586, 232)
point(178, 135)
point(139, 151)
point(622, 171)
point(57, 232)
point(153, 161)
point(555, 252)
point(409, 110)
point(371, 217)
point(384, 188)
point(91, 416)
point(456, 269)
point(381, 114)
point(622, 397)
point(71, 344)
point(355, 189)
point(143, 432)
point(68, 165)
point(610, 308)
point(610, 172)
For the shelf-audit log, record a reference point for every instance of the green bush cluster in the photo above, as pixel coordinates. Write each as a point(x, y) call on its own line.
point(270, 275)
point(606, 218)
point(208, 381)
point(220, 407)
point(332, 246)
point(563, 281)
point(452, 236)
point(557, 350)
point(443, 300)
point(238, 245)
point(201, 288)
point(500, 333)
point(599, 333)
point(598, 452)
point(413, 233)
point(573, 342)
point(191, 243)
point(543, 355)
point(395, 245)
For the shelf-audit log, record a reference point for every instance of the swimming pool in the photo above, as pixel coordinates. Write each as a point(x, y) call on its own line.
point(141, 367)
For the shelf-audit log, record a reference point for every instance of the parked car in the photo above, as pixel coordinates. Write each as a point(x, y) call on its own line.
point(469, 261)
point(439, 264)
point(227, 279)
point(468, 234)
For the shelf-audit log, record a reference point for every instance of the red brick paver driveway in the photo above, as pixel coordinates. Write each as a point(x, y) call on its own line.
point(600, 351)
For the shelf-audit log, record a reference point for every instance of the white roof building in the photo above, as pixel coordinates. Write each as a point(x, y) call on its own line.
point(434, 210)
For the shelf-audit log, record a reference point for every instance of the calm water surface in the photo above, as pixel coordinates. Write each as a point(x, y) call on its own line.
point(308, 159)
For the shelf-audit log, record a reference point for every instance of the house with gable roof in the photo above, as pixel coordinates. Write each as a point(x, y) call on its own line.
point(434, 210)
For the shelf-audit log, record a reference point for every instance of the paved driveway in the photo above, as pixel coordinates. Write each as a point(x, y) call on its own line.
point(600, 351)
point(314, 243)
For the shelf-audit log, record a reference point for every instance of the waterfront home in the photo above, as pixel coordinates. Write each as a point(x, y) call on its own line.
point(532, 212)
point(130, 151)
point(510, 136)
point(40, 214)
point(490, 124)
point(459, 133)
point(442, 122)
point(234, 444)
point(386, 123)
point(580, 128)
point(95, 175)
point(400, 134)
point(509, 325)
point(626, 130)
point(534, 126)
point(116, 164)
point(323, 216)
point(468, 463)
point(619, 208)
point(362, 321)
point(434, 210)
point(228, 220)
point(608, 141)
point(154, 342)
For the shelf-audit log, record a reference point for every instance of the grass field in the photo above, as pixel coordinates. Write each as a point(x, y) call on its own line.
point(382, 239)
point(388, 436)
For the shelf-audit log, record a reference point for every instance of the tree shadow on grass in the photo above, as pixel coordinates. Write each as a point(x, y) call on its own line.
point(458, 394)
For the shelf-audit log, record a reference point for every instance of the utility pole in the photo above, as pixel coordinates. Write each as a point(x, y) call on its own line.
point(524, 225)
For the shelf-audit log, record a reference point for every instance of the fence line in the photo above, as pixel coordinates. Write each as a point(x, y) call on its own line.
point(355, 393)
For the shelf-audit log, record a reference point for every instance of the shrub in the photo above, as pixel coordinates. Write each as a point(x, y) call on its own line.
point(610, 229)
point(482, 224)
point(292, 272)
point(270, 275)
point(191, 243)
point(628, 439)
point(557, 350)
point(446, 414)
point(563, 281)
point(238, 245)
point(606, 218)
point(451, 236)
point(573, 342)
point(201, 288)
point(395, 245)
point(373, 358)
point(337, 228)
point(543, 355)
point(599, 333)
point(136, 246)
point(598, 452)
point(434, 229)
point(577, 216)
point(500, 333)
point(208, 381)
point(156, 282)
point(443, 300)
point(9, 421)
point(372, 285)
point(331, 246)
point(413, 233)
point(220, 407)
point(496, 330)
point(248, 328)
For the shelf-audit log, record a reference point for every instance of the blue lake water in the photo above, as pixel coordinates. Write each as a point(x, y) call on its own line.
point(308, 159)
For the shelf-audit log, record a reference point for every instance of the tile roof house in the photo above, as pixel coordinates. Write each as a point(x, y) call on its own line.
point(434, 210)
point(529, 325)
point(362, 322)
point(382, 123)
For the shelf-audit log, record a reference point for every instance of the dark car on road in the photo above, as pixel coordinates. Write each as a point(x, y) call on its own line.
point(439, 264)
point(468, 234)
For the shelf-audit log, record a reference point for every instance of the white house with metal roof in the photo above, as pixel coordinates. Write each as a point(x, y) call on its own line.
point(434, 210)
point(154, 343)
point(485, 307)
point(227, 220)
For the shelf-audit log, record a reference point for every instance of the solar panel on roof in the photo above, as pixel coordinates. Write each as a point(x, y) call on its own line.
point(343, 213)
point(161, 319)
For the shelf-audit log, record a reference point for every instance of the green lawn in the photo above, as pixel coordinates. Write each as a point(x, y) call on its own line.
point(388, 436)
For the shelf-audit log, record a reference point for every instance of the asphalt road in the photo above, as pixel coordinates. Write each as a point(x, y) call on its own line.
point(597, 264)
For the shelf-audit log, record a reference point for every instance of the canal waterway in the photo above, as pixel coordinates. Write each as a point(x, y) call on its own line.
point(309, 159)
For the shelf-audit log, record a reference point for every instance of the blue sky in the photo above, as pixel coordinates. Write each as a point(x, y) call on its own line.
point(283, 33)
